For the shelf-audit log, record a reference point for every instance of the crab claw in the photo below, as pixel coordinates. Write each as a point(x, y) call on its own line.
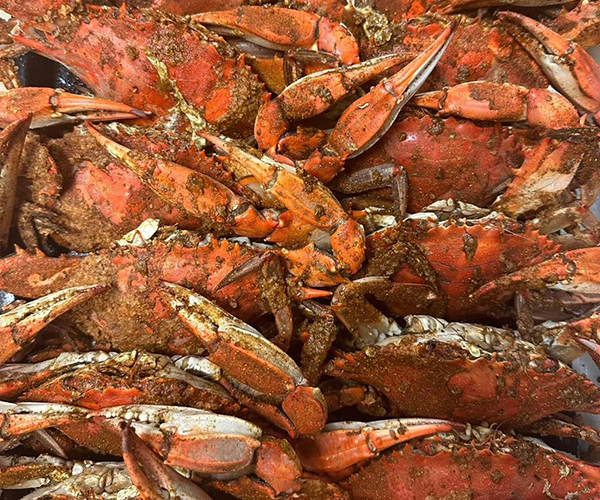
point(250, 359)
point(25, 418)
point(20, 326)
point(190, 191)
point(314, 94)
point(501, 102)
point(315, 214)
point(282, 29)
point(151, 476)
point(567, 65)
point(12, 139)
point(577, 271)
point(52, 107)
point(341, 445)
point(367, 119)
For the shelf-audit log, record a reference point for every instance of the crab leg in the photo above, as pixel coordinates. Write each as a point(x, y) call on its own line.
point(12, 139)
point(501, 102)
point(314, 94)
point(25, 418)
point(367, 119)
point(577, 271)
point(282, 29)
point(151, 476)
point(460, 5)
point(314, 208)
point(51, 107)
point(249, 358)
point(340, 445)
point(190, 191)
point(20, 326)
point(570, 68)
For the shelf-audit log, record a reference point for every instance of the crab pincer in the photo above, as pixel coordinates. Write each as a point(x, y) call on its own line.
point(566, 64)
point(190, 191)
point(501, 102)
point(20, 326)
point(282, 29)
point(12, 139)
point(339, 446)
point(52, 107)
point(314, 94)
point(251, 362)
point(150, 475)
point(315, 214)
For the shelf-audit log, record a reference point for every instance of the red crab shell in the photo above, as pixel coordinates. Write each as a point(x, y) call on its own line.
point(496, 469)
point(462, 257)
point(130, 315)
point(422, 375)
point(446, 158)
point(479, 50)
point(209, 74)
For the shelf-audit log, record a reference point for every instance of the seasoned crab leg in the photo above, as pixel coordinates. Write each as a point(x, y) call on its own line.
point(568, 66)
point(367, 119)
point(501, 102)
point(577, 271)
point(339, 446)
point(314, 94)
point(151, 476)
point(191, 191)
point(250, 359)
point(315, 211)
point(52, 107)
point(282, 29)
point(20, 326)
point(12, 139)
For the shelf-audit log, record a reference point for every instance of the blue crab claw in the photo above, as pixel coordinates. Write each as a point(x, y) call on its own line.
point(566, 64)
point(153, 479)
point(253, 364)
point(12, 139)
point(20, 326)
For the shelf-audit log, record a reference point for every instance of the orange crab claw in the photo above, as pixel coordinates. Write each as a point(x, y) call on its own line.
point(18, 419)
point(51, 107)
point(501, 102)
point(314, 94)
point(190, 191)
point(314, 209)
point(341, 445)
point(577, 271)
point(12, 139)
point(250, 359)
point(367, 119)
point(282, 29)
point(150, 475)
point(567, 65)
point(20, 326)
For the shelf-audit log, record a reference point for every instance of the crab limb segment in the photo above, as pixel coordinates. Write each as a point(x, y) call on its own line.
point(282, 29)
point(190, 191)
point(20, 326)
point(246, 356)
point(51, 107)
point(151, 476)
point(577, 271)
point(12, 139)
point(314, 209)
point(567, 65)
point(25, 418)
point(205, 442)
point(314, 94)
point(501, 102)
point(340, 445)
point(367, 119)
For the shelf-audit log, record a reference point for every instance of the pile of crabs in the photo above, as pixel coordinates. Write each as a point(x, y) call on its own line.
point(316, 249)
